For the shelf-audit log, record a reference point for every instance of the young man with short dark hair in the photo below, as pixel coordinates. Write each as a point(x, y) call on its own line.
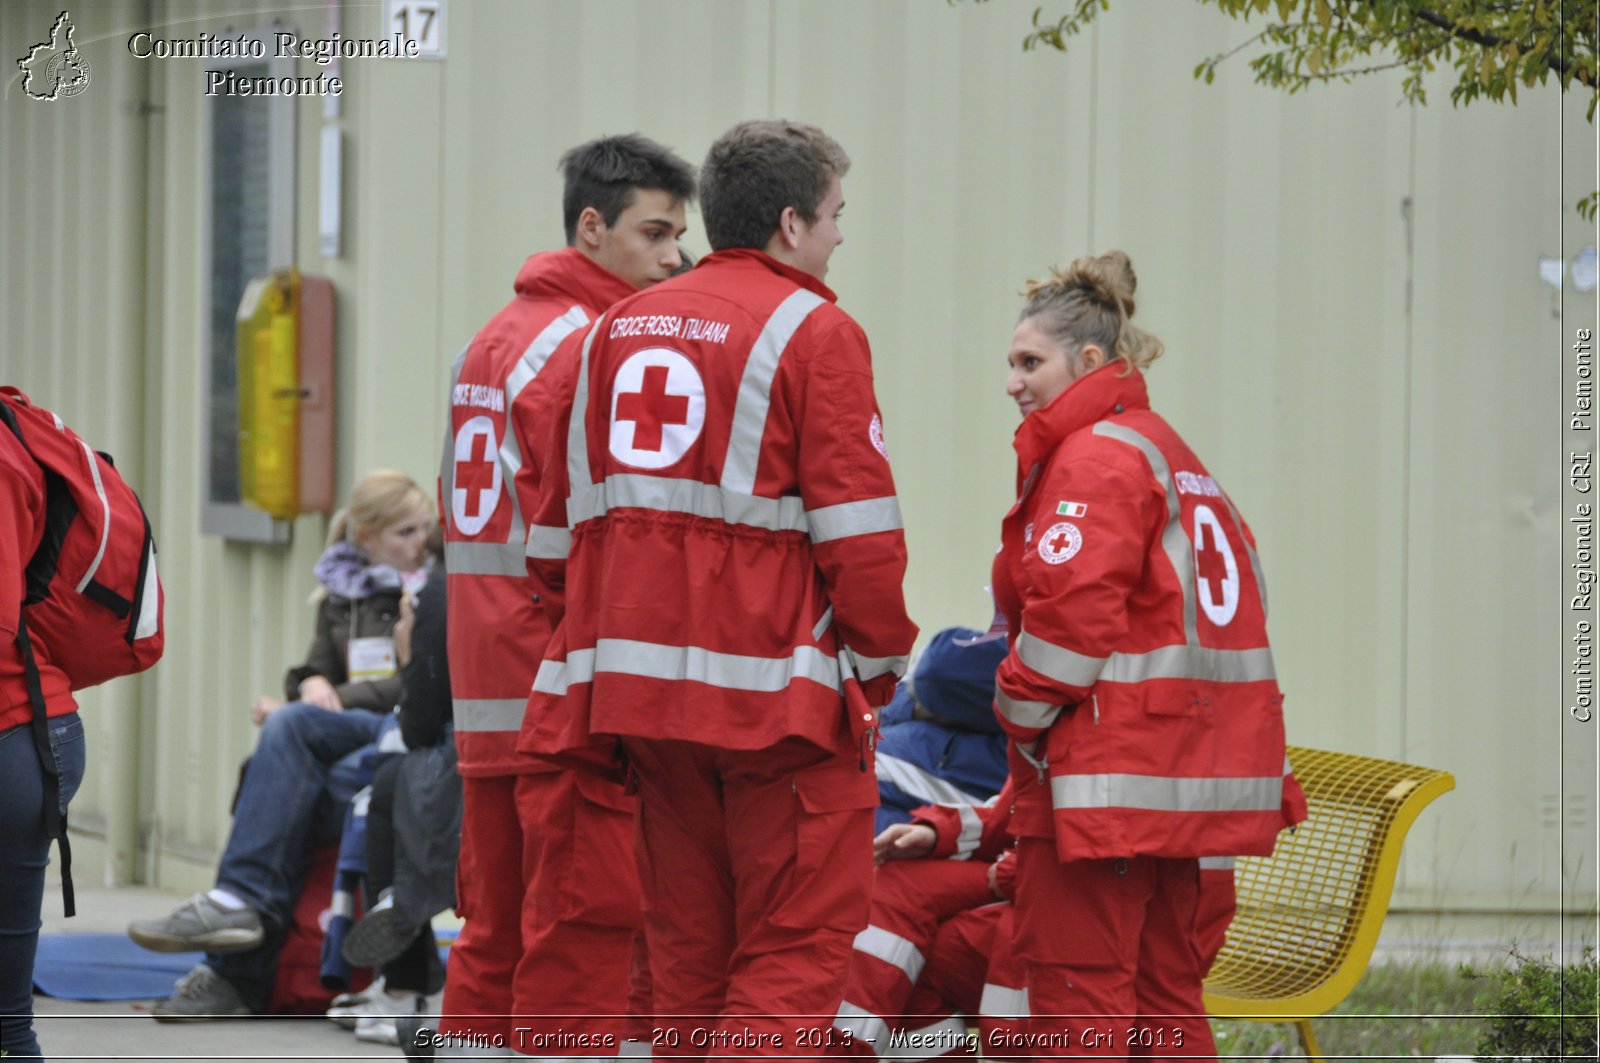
point(719, 519)
point(532, 944)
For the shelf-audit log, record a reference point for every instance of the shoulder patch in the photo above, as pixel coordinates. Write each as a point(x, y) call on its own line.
point(1061, 543)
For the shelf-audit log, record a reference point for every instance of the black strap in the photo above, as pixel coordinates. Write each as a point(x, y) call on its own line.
point(55, 820)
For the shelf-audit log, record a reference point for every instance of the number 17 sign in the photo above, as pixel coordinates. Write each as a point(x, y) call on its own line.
point(422, 21)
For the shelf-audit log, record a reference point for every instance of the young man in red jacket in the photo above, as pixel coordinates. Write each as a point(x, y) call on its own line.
point(719, 537)
point(536, 941)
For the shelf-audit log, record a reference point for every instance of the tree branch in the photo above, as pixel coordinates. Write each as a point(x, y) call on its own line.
point(1486, 40)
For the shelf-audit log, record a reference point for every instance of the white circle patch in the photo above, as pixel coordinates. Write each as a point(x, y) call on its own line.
point(875, 433)
point(1060, 543)
point(476, 479)
point(658, 407)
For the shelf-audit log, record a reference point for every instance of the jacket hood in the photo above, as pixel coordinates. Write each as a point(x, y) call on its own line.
point(569, 274)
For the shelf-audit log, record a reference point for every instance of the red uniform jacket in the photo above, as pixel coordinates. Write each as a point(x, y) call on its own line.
point(720, 510)
point(1139, 650)
point(497, 630)
point(22, 493)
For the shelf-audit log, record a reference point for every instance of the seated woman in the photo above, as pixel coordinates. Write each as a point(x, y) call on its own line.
point(298, 782)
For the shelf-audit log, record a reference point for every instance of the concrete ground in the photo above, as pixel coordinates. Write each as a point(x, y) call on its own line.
point(70, 1031)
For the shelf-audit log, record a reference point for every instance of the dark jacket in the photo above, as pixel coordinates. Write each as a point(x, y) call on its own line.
point(340, 619)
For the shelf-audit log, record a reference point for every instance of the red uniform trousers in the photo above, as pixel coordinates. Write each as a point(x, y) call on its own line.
point(539, 945)
point(1114, 964)
point(936, 951)
point(757, 870)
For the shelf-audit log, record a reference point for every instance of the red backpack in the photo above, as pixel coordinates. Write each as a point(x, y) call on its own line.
point(93, 605)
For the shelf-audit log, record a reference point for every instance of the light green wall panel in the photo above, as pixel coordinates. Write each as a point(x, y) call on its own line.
point(1357, 341)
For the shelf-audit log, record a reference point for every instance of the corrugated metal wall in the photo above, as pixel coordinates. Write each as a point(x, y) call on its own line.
point(1357, 339)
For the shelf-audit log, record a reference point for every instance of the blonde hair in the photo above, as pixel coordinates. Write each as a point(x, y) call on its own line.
point(1090, 300)
point(382, 498)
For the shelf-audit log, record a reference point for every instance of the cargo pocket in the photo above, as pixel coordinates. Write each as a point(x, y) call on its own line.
point(601, 880)
point(832, 879)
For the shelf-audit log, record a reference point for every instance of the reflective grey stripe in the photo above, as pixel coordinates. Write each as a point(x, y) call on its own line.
point(489, 714)
point(548, 543)
point(554, 677)
point(540, 350)
point(632, 1050)
point(1035, 714)
point(971, 833)
point(755, 390)
point(1058, 662)
point(651, 660)
point(1159, 793)
point(522, 374)
point(105, 516)
point(866, 1026)
point(892, 949)
point(872, 667)
point(692, 497)
point(1191, 662)
point(1216, 863)
point(1174, 540)
point(447, 456)
point(1004, 1002)
point(854, 518)
point(150, 603)
point(484, 559)
point(342, 903)
point(922, 785)
point(577, 435)
point(822, 625)
point(1255, 560)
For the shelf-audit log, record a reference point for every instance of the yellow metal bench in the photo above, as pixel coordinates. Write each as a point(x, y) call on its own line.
point(1309, 914)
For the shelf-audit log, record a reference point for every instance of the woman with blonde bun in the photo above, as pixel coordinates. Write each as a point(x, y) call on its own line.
point(298, 782)
point(1139, 691)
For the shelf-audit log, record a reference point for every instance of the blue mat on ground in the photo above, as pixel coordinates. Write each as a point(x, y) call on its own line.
point(105, 967)
point(111, 967)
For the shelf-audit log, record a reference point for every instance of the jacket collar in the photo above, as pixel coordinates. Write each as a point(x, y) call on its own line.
point(753, 255)
point(1091, 398)
point(570, 274)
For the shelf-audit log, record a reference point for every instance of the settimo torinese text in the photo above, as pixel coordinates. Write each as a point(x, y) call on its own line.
point(282, 45)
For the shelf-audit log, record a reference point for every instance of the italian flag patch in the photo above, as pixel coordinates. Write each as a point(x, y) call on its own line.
point(1071, 509)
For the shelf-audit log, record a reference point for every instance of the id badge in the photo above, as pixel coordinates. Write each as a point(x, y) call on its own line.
point(371, 658)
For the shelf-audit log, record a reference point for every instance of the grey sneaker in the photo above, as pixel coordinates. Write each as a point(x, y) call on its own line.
point(380, 936)
point(199, 996)
point(199, 924)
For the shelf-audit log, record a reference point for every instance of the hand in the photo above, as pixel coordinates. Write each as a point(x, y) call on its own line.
point(265, 706)
point(903, 841)
point(403, 628)
point(316, 690)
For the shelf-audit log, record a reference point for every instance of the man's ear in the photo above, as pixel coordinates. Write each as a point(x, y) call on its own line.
point(789, 223)
point(590, 228)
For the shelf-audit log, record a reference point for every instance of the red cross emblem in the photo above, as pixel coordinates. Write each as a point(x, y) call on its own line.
point(476, 474)
point(475, 492)
point(1216, 568)
point(1060, 543)
point(652, 408)
point(658, 408)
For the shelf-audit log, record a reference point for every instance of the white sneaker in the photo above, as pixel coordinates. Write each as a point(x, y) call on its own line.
point(347, 1008)
point(377, 1025)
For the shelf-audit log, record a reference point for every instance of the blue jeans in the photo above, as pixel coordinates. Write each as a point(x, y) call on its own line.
point(296, 787)
point(24, 852)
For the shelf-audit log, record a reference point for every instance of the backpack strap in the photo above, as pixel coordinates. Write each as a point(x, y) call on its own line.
point(55, 820)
